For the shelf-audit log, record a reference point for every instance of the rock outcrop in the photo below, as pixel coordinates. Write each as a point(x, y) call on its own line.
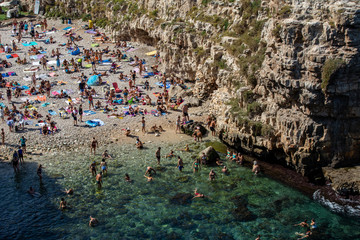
point(211, 155)
point(281, 76)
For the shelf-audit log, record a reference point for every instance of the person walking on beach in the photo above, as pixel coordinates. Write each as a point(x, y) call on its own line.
point(2, 114)
point(143, 125)
point(99, 180)
point(74, 115)
point(21, 155)
point(8, 94)
point(80, 113)
point(94, 145)
point(2, 137)
point(23, 143)
point(91, 101)
point(212, 127)
point(178, 122)
point(158, 155)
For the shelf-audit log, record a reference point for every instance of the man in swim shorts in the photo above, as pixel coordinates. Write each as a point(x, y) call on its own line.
point(103, 166)
point(99, 180)
point(180, 164)
point(93, 168)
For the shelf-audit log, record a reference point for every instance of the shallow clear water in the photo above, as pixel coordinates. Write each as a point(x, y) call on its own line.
point(142, 210)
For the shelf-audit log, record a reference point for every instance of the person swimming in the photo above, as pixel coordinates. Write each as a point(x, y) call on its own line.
point(63, 204)
point(212, 175)
point(93, 222)
point(127, 178)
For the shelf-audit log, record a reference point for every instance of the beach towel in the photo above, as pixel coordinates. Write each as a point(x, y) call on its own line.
point(94, 123)
point(76, 52)
point(2, 105)
point(52, 112)
point(27, 44)
point(24, 87)
point(14, 55)
point(90, 31)
point(151, 53)
point(41, 98)
point(119, 101)
point(36, 63)
point(89, 112)
point(35, 57)
point(87, 66)
point(8, 56)
point(160, 84)
point(67, 28)
point(131, 50)
point(94, 45)
point(45, 104)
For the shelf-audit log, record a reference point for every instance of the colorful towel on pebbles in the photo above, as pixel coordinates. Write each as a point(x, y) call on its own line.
point(89, 112)
point(67, 28)
point(35, 57)
point(27, 44)
point(160, 84)
point(52, 112)
point(8, 74)
point(94, 123)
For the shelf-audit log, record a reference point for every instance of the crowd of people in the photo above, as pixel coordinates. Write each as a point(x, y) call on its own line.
point(16, 115)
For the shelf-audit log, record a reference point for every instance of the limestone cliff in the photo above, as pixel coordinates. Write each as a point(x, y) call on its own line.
point(281, 76)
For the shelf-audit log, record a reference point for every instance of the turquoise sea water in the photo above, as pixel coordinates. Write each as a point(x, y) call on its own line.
point(240, 205)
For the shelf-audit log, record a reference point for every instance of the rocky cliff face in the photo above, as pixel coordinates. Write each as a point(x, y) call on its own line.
point(281, 76)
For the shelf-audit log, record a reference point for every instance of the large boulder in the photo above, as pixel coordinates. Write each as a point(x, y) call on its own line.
point(189, 128)
point(211, 155)
point(345, 181)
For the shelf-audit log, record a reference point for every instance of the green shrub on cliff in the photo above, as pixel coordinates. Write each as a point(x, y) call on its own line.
point(330, 67)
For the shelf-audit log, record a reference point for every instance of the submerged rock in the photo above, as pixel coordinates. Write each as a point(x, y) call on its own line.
point(181, 198)
point(241, 212)
point(211, 155)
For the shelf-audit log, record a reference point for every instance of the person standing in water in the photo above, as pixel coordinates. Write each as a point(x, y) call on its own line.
point(196, 165)
point(99, 180)
point(212, 175)
point(39, 171)
point(103, 166)
point(15, 162)
point(180, 164)
point(158, 155)
point(94, 145)
point(93, 168)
